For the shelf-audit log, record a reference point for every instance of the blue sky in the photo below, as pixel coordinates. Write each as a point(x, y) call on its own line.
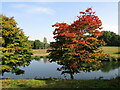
point(36, 18)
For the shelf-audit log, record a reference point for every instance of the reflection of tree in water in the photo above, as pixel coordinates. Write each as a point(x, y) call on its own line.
point(16, 68)
point(71, 70)
point(19, 71)
point(108, 66)
point(38, 58)
point(45, 59)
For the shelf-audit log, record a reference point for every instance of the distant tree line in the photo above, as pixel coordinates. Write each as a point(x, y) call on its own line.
point(37, 44)
point(110, 38)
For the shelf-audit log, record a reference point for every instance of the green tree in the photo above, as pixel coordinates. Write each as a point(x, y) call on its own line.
point(110, 38)
point(47, 45)
point(45, 42)
point(37, 44)
point(16, 50)
point(31, 43)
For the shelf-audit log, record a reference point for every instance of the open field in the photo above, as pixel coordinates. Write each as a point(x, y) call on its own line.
point(59, 83)
point(40, 52)
point(113, 51)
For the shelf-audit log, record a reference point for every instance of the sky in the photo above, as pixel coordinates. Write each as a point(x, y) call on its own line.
point(36, 18)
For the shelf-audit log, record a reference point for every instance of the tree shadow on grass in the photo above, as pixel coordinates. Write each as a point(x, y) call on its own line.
point(117, 53)
point(73, 84)
point(23, 86)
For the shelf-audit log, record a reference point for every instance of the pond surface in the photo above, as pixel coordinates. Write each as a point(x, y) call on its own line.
point(42, 68)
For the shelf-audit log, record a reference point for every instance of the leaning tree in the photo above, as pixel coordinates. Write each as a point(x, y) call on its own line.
point(76, 45)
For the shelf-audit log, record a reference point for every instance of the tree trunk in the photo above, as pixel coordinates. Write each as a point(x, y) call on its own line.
point(71, 75)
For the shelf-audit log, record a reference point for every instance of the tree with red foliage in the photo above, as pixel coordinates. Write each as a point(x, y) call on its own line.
point(76, 46)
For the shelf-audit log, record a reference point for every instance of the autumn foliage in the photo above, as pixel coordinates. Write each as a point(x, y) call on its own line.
point(16, 50)
point(76, 45)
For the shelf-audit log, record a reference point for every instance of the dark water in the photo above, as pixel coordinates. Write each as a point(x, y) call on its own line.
point(42, 68)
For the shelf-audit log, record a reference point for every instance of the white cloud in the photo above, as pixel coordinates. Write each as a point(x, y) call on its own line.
point(36, 10)
point(110, 27)
point(32, 9)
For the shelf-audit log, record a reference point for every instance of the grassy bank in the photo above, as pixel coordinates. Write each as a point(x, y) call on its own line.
point(40, 52)
point(59, 83)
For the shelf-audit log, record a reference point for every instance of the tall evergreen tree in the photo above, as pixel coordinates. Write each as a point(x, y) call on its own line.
point(45, 42)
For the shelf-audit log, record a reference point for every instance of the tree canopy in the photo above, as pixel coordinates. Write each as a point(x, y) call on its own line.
point(76, 45)
point(37, 44)
point(16, 50)
point(110, 38)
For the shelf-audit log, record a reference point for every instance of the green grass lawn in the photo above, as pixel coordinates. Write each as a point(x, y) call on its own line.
point(113, 51)
point(59, 83)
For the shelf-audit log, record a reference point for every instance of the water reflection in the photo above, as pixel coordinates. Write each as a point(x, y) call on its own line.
point(38, 58)
point(16, 70)
point(41, 67)
point(108, 66)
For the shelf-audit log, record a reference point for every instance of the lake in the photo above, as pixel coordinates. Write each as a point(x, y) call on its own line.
point(42, 68)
